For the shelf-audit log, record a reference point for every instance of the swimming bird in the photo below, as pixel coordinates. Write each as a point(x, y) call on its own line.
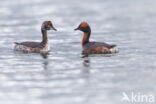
point(37, 47)
point(94, 47)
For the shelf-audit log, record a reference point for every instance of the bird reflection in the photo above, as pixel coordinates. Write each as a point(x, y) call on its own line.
point(45, 65)
point(86, 63)
point(96, 55)
point(86, 66)
point(45, 62)
point(44, 55)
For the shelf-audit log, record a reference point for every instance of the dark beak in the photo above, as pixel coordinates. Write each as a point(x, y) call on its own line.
point(77, 29)
point(54, 29)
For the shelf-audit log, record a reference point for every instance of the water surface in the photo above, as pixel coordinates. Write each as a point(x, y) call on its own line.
point(63, 76)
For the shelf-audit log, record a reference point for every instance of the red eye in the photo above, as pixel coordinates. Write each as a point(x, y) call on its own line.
point(50, 25)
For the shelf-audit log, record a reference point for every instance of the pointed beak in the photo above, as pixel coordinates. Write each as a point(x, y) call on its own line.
point(77, 29)
point(54, 29)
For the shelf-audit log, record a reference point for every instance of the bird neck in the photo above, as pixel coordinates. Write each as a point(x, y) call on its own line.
point(85, 38)
point(44, 36)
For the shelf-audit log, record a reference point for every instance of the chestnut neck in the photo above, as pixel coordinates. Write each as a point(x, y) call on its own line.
point(85, 38)
point(44, 36)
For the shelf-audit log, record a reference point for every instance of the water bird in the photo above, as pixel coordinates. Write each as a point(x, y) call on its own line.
point(37, 47)
point(94, 47)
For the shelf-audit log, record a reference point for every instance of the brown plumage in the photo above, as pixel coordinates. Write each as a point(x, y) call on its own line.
point(94, 47)
point(42, 46)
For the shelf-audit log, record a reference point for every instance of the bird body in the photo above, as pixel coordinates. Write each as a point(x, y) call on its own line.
point(94, 47)
point(37, 47)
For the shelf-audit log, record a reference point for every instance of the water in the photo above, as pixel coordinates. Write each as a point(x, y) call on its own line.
point(63, 76)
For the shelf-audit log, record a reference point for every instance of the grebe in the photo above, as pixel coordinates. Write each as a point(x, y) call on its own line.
point(94, 47)
point(37, 47)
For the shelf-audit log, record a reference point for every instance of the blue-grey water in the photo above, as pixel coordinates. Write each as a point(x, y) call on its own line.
point(63, 76)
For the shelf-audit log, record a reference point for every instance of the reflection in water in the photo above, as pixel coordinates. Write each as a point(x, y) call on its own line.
point(44, 55)
point(64, 77)
point(86, 66)
point(96, 55)
point(45, 64)
point(86, 62)
point(106, 55)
